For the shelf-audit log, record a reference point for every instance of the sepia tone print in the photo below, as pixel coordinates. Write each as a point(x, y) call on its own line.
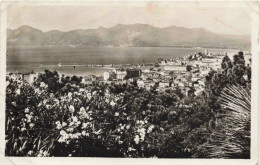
point(141, 81)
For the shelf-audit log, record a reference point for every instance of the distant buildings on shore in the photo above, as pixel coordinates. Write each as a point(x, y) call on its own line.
point(121, 74)
point(28, 77)
point(187, 74)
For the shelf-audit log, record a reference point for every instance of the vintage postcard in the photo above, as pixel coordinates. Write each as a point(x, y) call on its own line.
point(115, 82)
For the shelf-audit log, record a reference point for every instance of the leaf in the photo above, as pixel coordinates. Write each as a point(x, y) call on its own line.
point(24, 144)
point(39, 143)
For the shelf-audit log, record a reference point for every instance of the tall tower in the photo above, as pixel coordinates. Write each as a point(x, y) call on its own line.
point(206, 52)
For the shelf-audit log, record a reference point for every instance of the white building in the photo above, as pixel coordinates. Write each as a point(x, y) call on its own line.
point(175, 68)
point(106, 76)
point(164, 84)
point(146, 70)
point(140, 83)
point(120, 75)
point(109, 75)
point(29, 77)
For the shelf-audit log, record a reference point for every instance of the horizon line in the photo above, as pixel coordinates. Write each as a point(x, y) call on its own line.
point(130, 24)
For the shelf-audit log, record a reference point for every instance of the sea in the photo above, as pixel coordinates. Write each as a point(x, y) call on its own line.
point(73, 61)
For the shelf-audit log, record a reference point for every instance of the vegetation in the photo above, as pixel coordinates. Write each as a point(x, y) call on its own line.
point(60, 116)
point(229, 95)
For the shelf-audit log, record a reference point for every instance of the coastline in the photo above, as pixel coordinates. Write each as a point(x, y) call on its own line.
point(94, 62)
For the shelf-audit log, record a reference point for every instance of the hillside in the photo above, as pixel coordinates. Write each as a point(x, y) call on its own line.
point(134, 35)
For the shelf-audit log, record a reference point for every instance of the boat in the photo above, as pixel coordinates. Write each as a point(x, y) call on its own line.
point(59, 65)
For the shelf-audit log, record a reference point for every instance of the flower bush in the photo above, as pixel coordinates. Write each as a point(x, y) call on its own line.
point(67, 118)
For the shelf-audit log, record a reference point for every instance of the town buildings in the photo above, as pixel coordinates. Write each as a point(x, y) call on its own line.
point(187, 74)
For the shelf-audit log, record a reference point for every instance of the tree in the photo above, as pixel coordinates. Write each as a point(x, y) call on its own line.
point(226, 63)
point(51, 79)
point(231, 138)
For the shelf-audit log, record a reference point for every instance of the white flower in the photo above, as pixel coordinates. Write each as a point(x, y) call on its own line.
point(71, 124)
point(70, 94)
point(131, 149)
point(59, 126)
point(74, 119)
point(128, 126)
point(64, 124)
point(18, 91)
point(57, 122)
point(82, 109)
point(26, 110)
point(70, 129)
point(84, 125)
point(62, 139)
point(37, 90)
point(48, 106)
point(89, 96)
point(71, 109)
point(142, 130)
point(40, 104)
point(57, 101)
point(74, 136)
point(31, 125)
point(116, 114)
point(150, 128)
point(136, 139)
point(29, 117)
point(23, 129)
point(112, 103)
point(63, 133)
point(141, 122)
point(42, 84)
point(83, 133)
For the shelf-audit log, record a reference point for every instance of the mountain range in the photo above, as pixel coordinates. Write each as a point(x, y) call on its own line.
point(133, 35)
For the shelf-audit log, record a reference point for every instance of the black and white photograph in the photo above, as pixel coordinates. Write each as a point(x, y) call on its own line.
point(129, 80)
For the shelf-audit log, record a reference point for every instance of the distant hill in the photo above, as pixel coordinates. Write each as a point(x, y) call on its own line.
point(134, 35)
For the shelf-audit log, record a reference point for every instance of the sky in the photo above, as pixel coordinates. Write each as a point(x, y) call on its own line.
point(218, 17)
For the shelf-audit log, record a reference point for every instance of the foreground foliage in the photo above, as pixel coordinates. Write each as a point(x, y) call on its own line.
point(59, 116)
point(102, 120)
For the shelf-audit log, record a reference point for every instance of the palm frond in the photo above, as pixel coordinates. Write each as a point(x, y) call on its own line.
point(231, 139)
